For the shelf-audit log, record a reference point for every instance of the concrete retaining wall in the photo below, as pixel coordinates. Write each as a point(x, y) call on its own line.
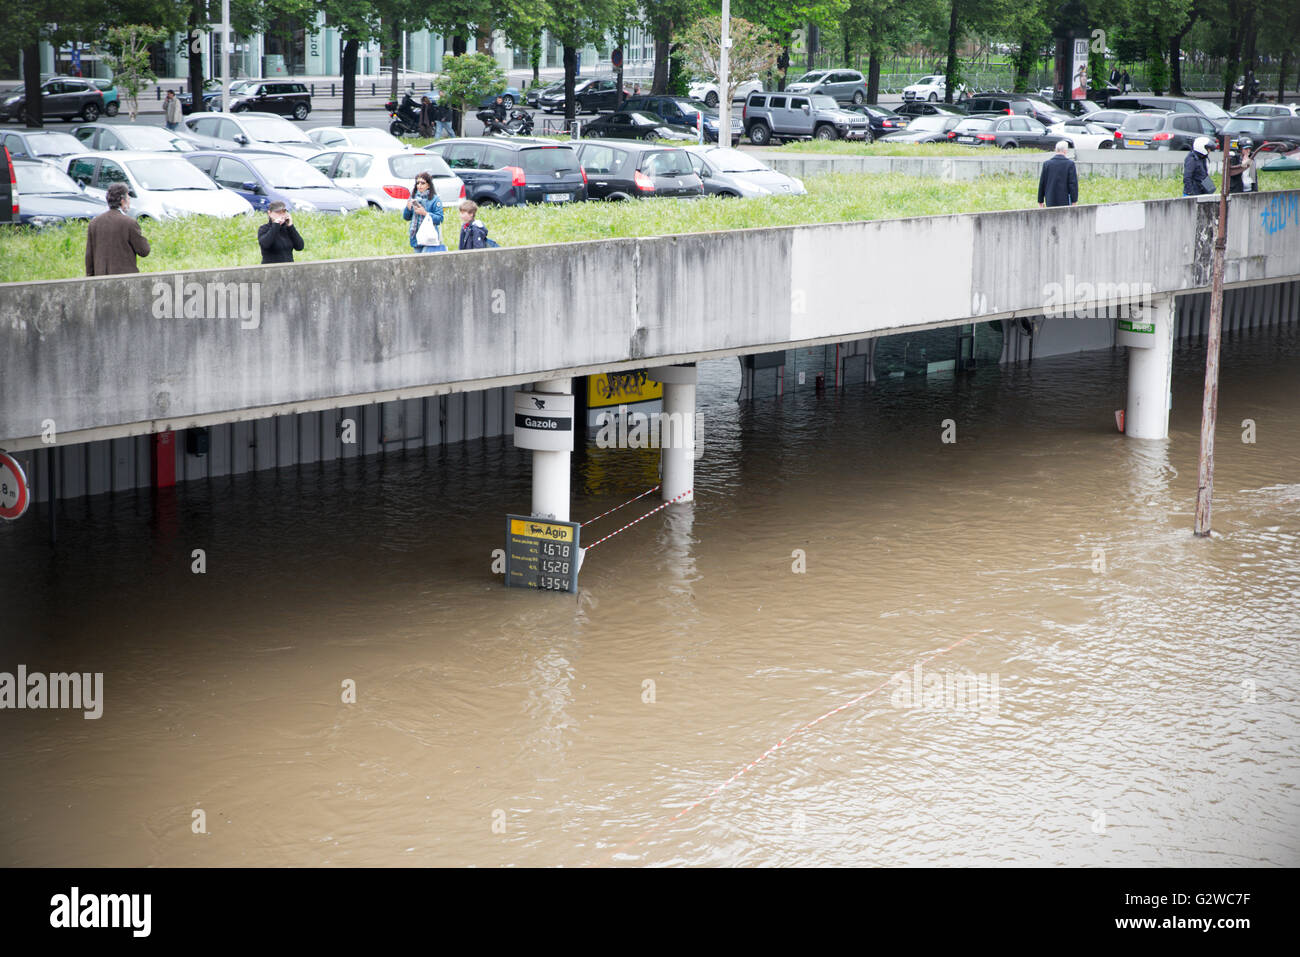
point(1117, 164)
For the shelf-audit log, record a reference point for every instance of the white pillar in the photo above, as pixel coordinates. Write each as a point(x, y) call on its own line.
point(1150, 371)
point(551, 469)
point(677, 432)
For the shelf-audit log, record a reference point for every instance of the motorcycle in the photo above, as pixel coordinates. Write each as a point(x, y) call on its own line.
point(405, 116)
point(491, 125)
point(520, 123)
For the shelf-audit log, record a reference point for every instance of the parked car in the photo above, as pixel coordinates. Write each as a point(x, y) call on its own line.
point(341, 136)
point(210, 102)
point(49, 197)
point(265, 178)
point(846, 86)
point(927, 108)
point(681, 113)
point(281, 97)
point(1283, 131)
point(45, 145)
point(785, 116)
point(509, 96)
point(732, 172)
point(628, 170)
point(634, 125)
point(706, 91)
point(1162, 130)
point(514, 170)
point(109, 89)
point(881, 122)
point(9, 206)
point(932, 88)
point(265, 131)
point(103, 137)
point(1083, 135)
point(161, 185)
point(998, 129)
point(382, 178)
point(1025, 104)
point(1267, 109)
point(60, 97)
point(1111, 119)
point(552, 100)
point(1177, 104)
point(599, 95)
point(536, 93)
point(926, 129)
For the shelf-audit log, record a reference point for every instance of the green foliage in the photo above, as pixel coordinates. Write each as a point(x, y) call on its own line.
point(466, 79)
point(128, 58)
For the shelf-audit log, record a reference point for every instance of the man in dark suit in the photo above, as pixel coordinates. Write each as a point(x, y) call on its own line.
point(114, 238)
point(1058, 183)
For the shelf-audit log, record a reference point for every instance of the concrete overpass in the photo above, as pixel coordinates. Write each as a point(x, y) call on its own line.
point(117, 357)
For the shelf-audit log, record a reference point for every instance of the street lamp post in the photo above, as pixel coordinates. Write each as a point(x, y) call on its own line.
point(724, 73)
point(225, 57)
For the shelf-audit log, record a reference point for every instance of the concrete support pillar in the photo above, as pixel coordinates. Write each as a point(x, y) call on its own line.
point(677, 432)
point(1150, 371)
point(551, 469)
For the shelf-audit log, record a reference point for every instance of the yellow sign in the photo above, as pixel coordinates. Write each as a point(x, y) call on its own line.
point(622, 388)
point(526, 528)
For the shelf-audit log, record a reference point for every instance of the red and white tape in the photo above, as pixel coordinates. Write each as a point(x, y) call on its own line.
point(641, 519)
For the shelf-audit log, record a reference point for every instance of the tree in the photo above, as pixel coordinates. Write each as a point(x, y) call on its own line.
point(661, 18)
point(128, 58)
point(788, 21)
point(466, 79)
point(357, 22)
point(575, 26)
point(752, 52)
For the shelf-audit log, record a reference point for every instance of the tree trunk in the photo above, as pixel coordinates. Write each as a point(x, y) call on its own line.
point(873, 77)
point(1234, 57)
point(484, 41)
point(1025, 59)
point(663, 37)
point(783, 65)
point(570, 76)
point(350, 50)
point(32, 85)
point(397, 57)
point(618, 74)
point(1281, 75)
point(535, 54)
point(458, 46)
point(951, 71)
point(814, 38)
point(194, 55)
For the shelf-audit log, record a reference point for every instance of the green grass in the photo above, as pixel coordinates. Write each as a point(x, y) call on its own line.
point(199, 243)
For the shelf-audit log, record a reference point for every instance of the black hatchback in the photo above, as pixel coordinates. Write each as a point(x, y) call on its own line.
point(624, 170)
point(510, 171)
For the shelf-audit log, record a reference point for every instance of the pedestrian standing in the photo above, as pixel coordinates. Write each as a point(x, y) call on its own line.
point(442, 120)
point(1241, 169)
point(426, 117)
point(473, 234)
point(1058, 181)
point(172, 110)
point(1124, 81)
point(1197, 180)
point(424, 210)
point(278, 236)
point(114, 238)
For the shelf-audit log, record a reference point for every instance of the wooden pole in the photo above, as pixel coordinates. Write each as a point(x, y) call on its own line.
point(1210, 403)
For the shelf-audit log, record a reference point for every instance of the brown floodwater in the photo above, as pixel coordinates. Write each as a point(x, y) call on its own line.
point(1139, 698)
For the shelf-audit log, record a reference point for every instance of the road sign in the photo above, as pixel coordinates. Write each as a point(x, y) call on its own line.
point(541, 553)
point(15, 495)
point(544, 421)
point(616, 58)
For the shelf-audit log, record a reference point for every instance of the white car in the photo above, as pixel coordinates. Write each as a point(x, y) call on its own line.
point(331, 136)
point(384, 177)
point(1267, 109)
point(162, 185)
point(1084, 135)
point(263, 131)
point(732, 172)
point(707, 90)
point(930, 88)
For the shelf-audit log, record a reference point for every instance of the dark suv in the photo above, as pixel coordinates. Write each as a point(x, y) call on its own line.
point(271, 96)
point(1177, 104)
point(680, 112)
point(63, 97)
point(510, 172)
point(1162, 130)
point(625, 170)
point(1022, 103)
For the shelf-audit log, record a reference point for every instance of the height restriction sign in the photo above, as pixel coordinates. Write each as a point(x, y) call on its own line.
point(15, 496)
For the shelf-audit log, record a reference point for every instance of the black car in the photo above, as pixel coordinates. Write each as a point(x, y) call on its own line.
point(551, 99)
point(927, 108)
point(271, 96)
point(510, 171)
point(626, 170)
point(598, 96)
point(41, 145)
point(634, 125)
point(1175, 104)
point(926, 129)
point(883, 122)
point(1008, 132)
point(1282, 131)
point(1024, 104)
point(537, 92)
point(50, 197)
point(211, 102)
point(61, 97)
point(681, 113)
point(1162, 130)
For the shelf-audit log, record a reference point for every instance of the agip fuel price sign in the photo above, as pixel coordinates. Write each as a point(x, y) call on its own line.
point(542, 553)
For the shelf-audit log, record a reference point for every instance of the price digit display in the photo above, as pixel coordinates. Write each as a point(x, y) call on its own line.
point(541, 553)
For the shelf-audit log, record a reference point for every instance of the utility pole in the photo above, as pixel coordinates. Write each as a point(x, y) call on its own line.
point(225, 56)
point(724, 77)
point(1210, 404)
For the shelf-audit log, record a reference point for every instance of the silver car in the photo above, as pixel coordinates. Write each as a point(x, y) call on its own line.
point(263, 131)
point(731, 172)
point(327, 137)
point(384, 177)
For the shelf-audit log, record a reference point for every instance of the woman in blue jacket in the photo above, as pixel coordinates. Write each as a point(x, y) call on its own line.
point(424, 202)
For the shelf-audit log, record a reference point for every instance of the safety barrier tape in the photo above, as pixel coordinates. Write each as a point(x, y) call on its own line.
point(641, 519)
point(617, 507)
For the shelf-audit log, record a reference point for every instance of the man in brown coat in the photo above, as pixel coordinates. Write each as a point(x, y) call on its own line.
point(114, 238)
